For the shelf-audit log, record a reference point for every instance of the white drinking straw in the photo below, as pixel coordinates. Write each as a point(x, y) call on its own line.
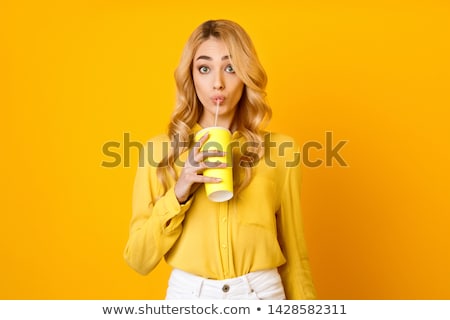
point(217, 112)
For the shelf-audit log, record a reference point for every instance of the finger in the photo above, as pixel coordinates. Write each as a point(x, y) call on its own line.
point(214, 164)
point(202, 166)
point(203, 139)
point(195, 151)
point(204, 179)
point(198, 145)
point(213, 153)
point(202, 156)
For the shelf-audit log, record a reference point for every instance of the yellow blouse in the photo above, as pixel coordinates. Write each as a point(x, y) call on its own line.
point(260, 228)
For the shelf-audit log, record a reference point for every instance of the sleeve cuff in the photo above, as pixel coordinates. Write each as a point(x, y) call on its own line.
point(172, 208)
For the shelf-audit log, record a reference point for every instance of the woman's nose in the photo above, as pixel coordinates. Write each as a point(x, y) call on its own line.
point(218, 81)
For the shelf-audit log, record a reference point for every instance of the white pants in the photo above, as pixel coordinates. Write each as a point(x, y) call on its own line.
point(259, 285)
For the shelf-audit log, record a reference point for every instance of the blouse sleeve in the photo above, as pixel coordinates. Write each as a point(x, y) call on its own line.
point(295, 273)
point(156, 223)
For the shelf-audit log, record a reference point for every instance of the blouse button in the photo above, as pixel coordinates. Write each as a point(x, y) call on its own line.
point(226, 288)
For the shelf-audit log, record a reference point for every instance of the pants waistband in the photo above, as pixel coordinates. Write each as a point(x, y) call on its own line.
point(248, 285)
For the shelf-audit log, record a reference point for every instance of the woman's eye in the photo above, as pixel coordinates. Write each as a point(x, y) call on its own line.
point(203, 69)
point(229, 68)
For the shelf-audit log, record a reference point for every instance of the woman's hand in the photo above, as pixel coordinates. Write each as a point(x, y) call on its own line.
point(191, 176)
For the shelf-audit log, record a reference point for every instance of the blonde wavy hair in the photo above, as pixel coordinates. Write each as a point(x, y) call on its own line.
point(252, 113)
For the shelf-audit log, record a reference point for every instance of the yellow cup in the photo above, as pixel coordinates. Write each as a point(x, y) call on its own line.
point(218, 139)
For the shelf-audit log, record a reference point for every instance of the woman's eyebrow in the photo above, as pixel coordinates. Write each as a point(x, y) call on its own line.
point(210, 59)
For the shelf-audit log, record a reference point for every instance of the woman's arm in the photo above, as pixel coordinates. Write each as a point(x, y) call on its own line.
point(295, 273)
point(155, 224)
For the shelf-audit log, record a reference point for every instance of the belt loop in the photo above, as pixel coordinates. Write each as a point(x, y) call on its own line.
point(247, 282)
point(198, 287)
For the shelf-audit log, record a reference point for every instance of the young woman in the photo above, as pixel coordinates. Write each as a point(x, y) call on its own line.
point(251, 246)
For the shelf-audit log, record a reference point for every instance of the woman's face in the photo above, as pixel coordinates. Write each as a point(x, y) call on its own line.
point(216, 82)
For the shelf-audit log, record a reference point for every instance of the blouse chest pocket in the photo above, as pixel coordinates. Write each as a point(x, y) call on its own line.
point(258, 202)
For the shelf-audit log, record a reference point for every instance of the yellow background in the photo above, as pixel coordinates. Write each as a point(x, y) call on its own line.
point(77, 74)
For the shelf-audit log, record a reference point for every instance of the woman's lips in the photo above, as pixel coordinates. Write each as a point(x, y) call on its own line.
point(218, 99)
